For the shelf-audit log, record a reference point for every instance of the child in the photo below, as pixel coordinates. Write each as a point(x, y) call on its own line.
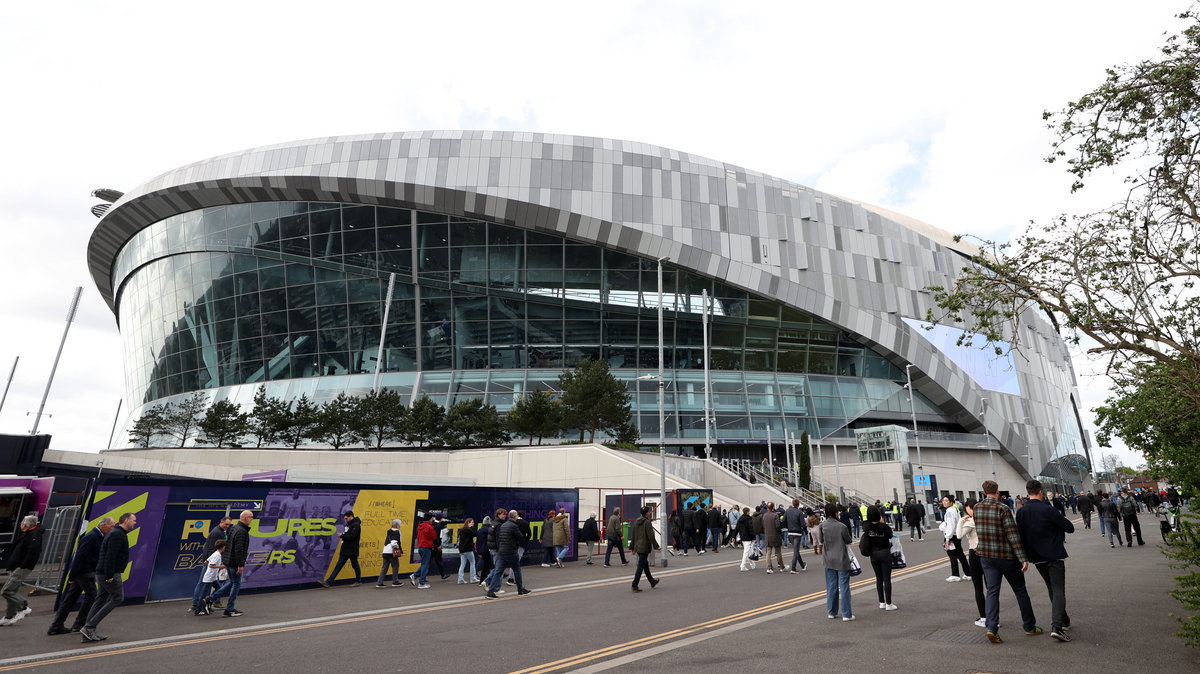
point(213, 567)
point(391, 556)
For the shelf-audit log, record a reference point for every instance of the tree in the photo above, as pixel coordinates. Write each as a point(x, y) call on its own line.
point(268, 417)
point(803, 457)
point(425, 424)
point(471, 423)
point(223, 425)
point(301, 422)
point(594, 400)
point(336, 424)
point(535, 415)
point(148, 426)
point(1120, 281)
point(181, 419)
point(1148, 415)
point(379, 418)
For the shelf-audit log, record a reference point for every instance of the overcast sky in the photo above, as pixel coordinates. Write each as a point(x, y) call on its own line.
point(932, 109)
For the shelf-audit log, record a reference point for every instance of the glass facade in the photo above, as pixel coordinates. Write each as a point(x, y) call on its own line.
point(265, 292)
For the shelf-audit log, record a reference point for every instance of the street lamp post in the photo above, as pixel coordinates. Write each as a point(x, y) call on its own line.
point(707, 383)
point(916, 435)
point(662, 421)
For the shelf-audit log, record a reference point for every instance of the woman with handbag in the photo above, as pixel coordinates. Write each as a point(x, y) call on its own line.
point(877, 544)
point(970, 540)
point(953, 546)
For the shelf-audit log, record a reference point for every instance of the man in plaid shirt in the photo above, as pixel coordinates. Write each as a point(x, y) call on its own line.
point(1002, 555)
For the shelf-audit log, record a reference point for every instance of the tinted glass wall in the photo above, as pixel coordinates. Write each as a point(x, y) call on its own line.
point(262, 292)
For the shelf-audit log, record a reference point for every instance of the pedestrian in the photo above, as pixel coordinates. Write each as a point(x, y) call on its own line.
point(716, 527)
point(81, 579)
point(526, 534)
point(771, 524)
point(1107, 510)
point(1002, 557)
point(590, 536)
point(114, 556)
point(793, 519)
point(1043, 531)
point(211, 573)
point(614, 537)
point(855, 519)
point(1129, 513)
point(482, 555)
point(547, 540)
point(440, 540)
point(1085, 508)
point(814, 530)
point(509, 540)
point(348, 552)
point(676, 523)
point(219, 533)
point(952, 545)
point(835, 540)
point(970, 540)
point(426, 540)
point(756, 521)
point(562, 537)
point(745, 529)
point(501, 515)
point(466, 552)
point(392, 549)
point(235, 556)
point(24, 554)
point(641, 543)
point(914, 513)
point(732, 517)
point(879, 548)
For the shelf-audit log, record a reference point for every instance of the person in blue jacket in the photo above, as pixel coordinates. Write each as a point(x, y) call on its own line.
point(81, 579)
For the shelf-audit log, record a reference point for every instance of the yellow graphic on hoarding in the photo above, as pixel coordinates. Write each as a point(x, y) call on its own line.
point(135, 505)
point(377, 508)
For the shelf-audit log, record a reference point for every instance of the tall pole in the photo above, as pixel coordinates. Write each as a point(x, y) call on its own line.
point(70, 318)
point(770, 455)
point(707, 382)
point(837, 471)
point(916, 434)
point(662, 422)
point(821, 467)
point(795, 460)
point(387, 307)
point(114, 426)
point(14, 371)
point(987, 436)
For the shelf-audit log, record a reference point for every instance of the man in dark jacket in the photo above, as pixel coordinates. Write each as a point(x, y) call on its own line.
point(235, 563)
point(590, 535)
point(81, 579)
point(793, 521)
point(687, 520)
point(348, 552)
point(641, 543)
point(716, 526)
point(914, 514)
point(220, 533)
point(1129, 510)
point(114, 557)
point(509, 540)
point(1085, 505)
point(24, 555)
point(1043, 531)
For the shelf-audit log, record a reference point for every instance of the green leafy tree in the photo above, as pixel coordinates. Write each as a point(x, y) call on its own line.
point(627, 435)
point(535, 415)
point(804, 470)
point(471, 423)
point(148, 426)
point(425, 424)
point(181, 420)
point(268, 417)
point(223, 425)
point(336, 425)
point(1184, 552)
point(379, 418)
point(594, 400)
point(301, 423)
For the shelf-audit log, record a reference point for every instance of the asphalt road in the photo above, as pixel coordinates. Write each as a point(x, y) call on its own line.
point(705, 613)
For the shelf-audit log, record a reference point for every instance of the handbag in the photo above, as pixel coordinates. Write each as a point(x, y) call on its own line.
point(223, 575)
point(864, 544)
point(755, 552)
point(855, 567)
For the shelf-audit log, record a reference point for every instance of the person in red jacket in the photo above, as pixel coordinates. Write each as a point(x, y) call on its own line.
point(426, 539)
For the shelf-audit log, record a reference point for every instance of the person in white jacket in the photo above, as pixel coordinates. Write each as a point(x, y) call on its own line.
point(970, 540)
point(953, 545)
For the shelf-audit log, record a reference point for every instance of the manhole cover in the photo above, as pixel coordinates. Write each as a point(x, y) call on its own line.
point(959, 637)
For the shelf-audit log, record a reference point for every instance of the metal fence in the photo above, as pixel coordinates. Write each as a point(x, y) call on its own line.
point(62, 527)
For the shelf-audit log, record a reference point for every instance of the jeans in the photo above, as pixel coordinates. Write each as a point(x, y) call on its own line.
point(465, 558)
point(857, 527)
point(697, 540)
point(796, 540)
point(837, 586)
point(12, 592)
point(714, 538)
point(977, 580)
point(231, 588)
point(110, 596)
point(504, 562)
point(389, 562)
point(423, 571)
point(881, 562)
point(495, 562)
point(1087, 519)
point(560, 552)
point(85, 585)
point(994, 570)
point(643, 566)
point(1055, 575)
point(957, 557)
point(590, 546)
point(916, 531)
point(342, 559)
point(1131, 521)
point(617, 544)
point(1110, 523)
point(487, 562)
point(202, 590)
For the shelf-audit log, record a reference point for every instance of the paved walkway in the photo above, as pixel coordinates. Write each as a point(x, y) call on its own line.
point(704, 613)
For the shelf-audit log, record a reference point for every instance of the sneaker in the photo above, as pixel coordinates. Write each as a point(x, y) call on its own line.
point(545, 566)
point(509, 581)
point(1034, 632)
point(794, 571)
point(501, 591)
point(397, 583)
point(380, 586)
point(215, 604)
point(232, 613)
point(608, 566)
point(982, 622)
point(589, 563)
point(356, 583)
point(685, 554)
point(424, 586)
point(524, 591)
point(490, 595)
point(954, 579)
point(846, 620)
point(654, 583)
point(1060, 635)
point(5, 622)
point(324, 583)
point(90, 635)
point(636, 588)
point(483, 583)
point(57, 629)
point(891, 607)
point(831, 616)
point(994, 637)
point(624, 563)
point(702, 552)
point(24, 612)
point(770, 571)
point(882, 605)
point(413, 579)
point(461, 582)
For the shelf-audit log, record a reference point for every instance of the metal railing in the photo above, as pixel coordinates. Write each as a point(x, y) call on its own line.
point(62, 526)
point(749, 471)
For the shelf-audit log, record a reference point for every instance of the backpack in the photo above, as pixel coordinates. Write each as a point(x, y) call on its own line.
point(1127, 507)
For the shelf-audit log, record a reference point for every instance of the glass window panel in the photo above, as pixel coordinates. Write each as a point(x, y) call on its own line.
point(851, 388)
point(363, 290)
point(433, 236)
point(582, 331)
point(822, 361)
point(264, 210)
point(301, 319)
point(293, 227)
point(364, 313)
point(545, 357)
point(725, 334)
point(301, 296)
point(791, 360)
point(764, 310)
point(335, 316)
point(545, 257)
point(331, 292)
point(849, 362)
point(827, 406)
point(435, 262)
point(545, 332)
point(725, 359)
point(299, 274)
point(395, 238)
point(621, 332)
point(581, 257)
point(760, 361)
point(688, 333)
point(391, 217)
point(468, 234)
point(469, 265)
point(326, 238)
point(507, 331)
point(620, 356)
